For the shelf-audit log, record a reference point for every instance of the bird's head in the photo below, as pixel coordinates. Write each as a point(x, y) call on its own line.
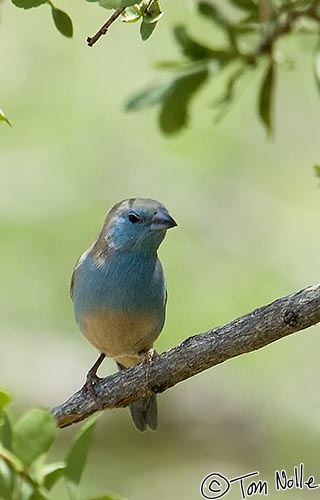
point(138, 224)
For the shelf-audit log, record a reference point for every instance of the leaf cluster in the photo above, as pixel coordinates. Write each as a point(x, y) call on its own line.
point(251, 32)
point(24, 444)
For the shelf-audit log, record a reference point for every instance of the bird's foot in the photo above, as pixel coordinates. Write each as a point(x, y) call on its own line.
point(150, 356)
point(148, 359)
point(89, 386)
point(92, 378)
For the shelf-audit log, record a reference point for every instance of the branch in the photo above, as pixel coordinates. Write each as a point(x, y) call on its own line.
point(196, 354)
point(283, 28)
point(103, 30)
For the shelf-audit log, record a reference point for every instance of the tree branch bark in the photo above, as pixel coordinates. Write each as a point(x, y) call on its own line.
point(91, 40)
point(196, 354)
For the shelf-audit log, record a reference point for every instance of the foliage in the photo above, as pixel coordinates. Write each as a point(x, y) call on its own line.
point(3, 118)
point(251, 35)
point(24, 474)
point(251, 32)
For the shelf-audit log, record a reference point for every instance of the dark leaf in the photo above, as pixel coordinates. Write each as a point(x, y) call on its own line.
point(317, 170)
point(6, 431)
point(212, 13)
point(62, 21)
point(149, 97)
point(5, 397)
point(249, 5)
point(77, 457)
point(174, 109)
point(226, 100)
point(127, 3)
point(146, 30)
point(6, 481)
point(171, 65)
point(39, 495)
point(266, 98)
point(110, 4)
point(196, 51)
point(116, 4)
point(28, 4)
point(52, 473)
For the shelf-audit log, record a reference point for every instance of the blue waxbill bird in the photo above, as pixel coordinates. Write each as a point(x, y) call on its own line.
point(119, 291)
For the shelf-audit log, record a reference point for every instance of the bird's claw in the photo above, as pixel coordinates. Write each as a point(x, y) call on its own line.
point(149, 357)
point(89, 386)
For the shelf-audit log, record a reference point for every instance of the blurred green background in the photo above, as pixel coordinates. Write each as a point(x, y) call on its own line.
point(248, 214)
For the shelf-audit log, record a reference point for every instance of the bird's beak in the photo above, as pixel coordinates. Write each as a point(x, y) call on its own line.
point(162, 220)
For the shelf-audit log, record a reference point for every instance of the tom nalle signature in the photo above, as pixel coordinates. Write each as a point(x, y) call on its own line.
point(215, 485)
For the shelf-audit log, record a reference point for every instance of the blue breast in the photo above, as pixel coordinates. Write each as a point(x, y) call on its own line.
point(126, 282)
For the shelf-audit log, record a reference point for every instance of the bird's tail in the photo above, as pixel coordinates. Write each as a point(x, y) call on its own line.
point(144, 412)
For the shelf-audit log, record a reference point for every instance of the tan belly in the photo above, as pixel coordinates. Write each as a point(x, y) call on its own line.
point(122, 336)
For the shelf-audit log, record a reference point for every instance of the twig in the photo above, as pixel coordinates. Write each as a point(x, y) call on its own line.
point(103, 30)
point(196, 354)
point(278, 30)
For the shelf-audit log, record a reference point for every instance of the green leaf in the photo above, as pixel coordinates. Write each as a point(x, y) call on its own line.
point(62, 21)
point(77, 457)
point(127, 3)
point(33, 434)
point(39, 495)
point(174, 95)
point(196, 51)
point(266, 98)
point(149, 97)
point(6, 431)
point(316, 65)
point(3, 118)
point(28, 4)
point(171, 65)
point(146, 30)
point(212, 13)
point(116, 4)
point(131, 14)
point(317, 170)
point(248, 5)
point(6, 481)
point(52, 473)
point(110, 4)
point(5, 397)
point(153, 13)
point(174, 110)
point(230, 86)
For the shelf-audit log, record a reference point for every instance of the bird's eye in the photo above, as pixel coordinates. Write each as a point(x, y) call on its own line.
point(134, 218)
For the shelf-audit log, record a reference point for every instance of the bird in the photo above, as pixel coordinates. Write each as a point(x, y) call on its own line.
point(119, 292)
